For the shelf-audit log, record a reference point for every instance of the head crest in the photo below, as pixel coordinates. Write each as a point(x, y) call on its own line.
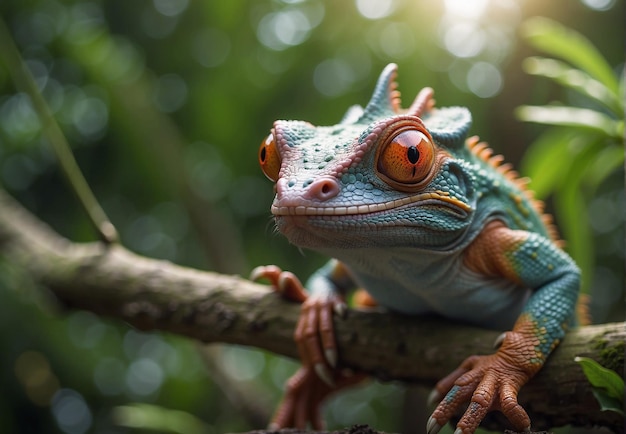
point(448, 126)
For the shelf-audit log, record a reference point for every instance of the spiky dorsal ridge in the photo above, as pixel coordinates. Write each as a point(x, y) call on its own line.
point(486, 154)
point(393, 94)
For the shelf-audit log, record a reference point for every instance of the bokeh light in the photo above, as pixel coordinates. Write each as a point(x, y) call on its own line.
point(466, 9)
point(599, 5)
point(170, 93)
point(211, 47)
point(464, 39)
point(375, 9)
point(33, 371)
point(333, 77)
point(144, 377)
point(171, 8)
point(283, 29)
point(397, 40)
point(484, 79)
point(108, 376)
point(85, 329)
point(71, 412)
point(241, 363)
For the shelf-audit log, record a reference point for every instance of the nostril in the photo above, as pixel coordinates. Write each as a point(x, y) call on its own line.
point(323, 189)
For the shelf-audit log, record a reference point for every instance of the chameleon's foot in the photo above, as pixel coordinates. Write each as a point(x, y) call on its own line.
point(314, 333)
point(304, 395)
point(315, 338)
point(487, 383)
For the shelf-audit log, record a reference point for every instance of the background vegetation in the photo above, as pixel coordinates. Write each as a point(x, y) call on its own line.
point(165, 103)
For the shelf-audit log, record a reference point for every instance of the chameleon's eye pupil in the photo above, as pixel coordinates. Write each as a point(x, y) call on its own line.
point(269, 158)
point(413, 154)
point(406, 159)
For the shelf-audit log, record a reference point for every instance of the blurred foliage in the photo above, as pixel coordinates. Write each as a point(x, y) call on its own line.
point(590, 135)
point(165, 102)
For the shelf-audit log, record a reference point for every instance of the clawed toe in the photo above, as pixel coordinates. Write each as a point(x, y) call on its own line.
point(269, 272)
point(283, 282)
point(432, 426)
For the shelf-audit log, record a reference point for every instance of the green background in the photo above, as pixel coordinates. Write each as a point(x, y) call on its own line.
point(165, 104)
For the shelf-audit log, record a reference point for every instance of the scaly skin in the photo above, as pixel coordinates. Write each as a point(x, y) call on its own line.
point(425, 221)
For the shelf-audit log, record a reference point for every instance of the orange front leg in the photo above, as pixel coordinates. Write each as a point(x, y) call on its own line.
point(493, 382)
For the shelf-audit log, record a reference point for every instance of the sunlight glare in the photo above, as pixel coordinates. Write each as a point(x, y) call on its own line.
point(464, 39)
point(466, 8)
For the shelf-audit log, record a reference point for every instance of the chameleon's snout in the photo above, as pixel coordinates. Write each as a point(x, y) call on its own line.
point(313, 195)
point(322, 189)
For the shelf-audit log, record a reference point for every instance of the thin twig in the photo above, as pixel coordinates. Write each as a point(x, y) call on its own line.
point(50, 129)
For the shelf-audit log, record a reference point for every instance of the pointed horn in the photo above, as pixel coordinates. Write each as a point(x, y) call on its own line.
point(385, 100)
point(424, 101)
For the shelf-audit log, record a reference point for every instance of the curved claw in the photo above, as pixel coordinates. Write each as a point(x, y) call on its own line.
point(270, 272)
point(499, 340)
point(432, 426)
point(324, 374)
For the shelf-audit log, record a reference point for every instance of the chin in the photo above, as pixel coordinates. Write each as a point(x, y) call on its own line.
point(299, 232)
point(318, 234)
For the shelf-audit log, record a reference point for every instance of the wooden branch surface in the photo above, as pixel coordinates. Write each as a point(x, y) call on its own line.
point(158, 295)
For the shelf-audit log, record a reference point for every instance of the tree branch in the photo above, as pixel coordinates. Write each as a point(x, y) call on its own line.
point(152, 294)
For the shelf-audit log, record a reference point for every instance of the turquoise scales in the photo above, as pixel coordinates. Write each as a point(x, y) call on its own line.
point(425, 221)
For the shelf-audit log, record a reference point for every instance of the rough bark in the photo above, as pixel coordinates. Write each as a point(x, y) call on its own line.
point(151, 294)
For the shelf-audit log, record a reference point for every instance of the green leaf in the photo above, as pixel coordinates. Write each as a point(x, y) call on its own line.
point(606, 402)
point(604, 164)
point(539, 161)
point(575, 79)
point(572, 117)
point(551, 37)
point(602, 378)
point(571, 204)
point(570, 209)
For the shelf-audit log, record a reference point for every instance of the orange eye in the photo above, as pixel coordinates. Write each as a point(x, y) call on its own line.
point(269, 158)
point(408, 158)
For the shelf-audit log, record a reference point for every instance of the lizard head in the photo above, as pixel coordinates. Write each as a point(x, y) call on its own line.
point(383, 176)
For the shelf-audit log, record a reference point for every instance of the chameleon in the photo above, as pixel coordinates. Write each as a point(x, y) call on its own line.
point(421, 219)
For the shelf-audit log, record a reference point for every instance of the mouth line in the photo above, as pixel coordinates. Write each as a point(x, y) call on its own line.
point(303, 210)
